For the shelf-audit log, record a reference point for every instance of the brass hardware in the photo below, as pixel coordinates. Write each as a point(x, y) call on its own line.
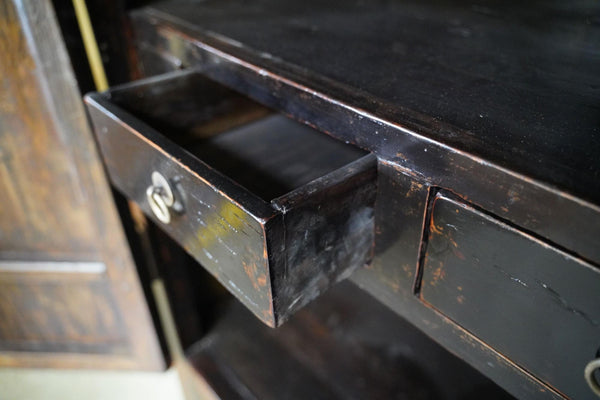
point(589, 371)
point(160, 197)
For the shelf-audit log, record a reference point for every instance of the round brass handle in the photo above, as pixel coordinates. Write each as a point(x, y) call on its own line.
point(589, 371)
point(160, 197)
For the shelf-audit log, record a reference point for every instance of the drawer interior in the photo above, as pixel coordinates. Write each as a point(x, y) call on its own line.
point(265, 152)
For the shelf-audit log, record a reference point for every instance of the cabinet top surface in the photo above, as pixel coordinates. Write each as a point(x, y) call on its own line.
point(515, 83)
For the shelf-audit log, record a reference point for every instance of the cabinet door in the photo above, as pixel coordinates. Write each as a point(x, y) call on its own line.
point(69, 291)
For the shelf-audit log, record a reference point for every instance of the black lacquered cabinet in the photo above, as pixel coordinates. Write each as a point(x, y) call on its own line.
point(442, 156)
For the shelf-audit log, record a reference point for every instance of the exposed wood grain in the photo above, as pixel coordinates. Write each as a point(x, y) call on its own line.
point(58, 208)
point(51, 217)
point(60, 314)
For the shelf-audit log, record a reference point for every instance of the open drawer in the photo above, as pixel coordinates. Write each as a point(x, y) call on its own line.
point(277, 211)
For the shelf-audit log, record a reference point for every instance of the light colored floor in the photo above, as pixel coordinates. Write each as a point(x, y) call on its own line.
point(49, 384)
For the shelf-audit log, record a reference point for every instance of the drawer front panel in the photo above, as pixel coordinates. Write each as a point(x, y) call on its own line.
point(216, 231)
point(536, 305)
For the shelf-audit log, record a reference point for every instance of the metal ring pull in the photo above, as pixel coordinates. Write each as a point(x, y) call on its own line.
point(160, 197)
point(589, 371)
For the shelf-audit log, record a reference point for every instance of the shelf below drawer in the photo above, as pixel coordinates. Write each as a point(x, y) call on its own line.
point(345, 345)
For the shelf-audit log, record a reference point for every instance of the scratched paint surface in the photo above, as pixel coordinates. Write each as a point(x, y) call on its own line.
point(223, 237)
point(273, 258)
point(509, 289)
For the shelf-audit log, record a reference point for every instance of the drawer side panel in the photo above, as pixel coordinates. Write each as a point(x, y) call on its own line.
point(329, 233)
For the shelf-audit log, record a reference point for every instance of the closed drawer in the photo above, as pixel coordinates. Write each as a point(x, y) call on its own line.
point(277, 211)
point(535, 304)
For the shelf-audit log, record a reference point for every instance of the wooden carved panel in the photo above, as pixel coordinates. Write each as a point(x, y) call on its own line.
point(69, 292)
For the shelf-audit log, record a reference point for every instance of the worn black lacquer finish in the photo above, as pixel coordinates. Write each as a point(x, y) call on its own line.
point(303, 218)
point(507, 110)
point(519, 287)
point(516, 84)
point(495, 103)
